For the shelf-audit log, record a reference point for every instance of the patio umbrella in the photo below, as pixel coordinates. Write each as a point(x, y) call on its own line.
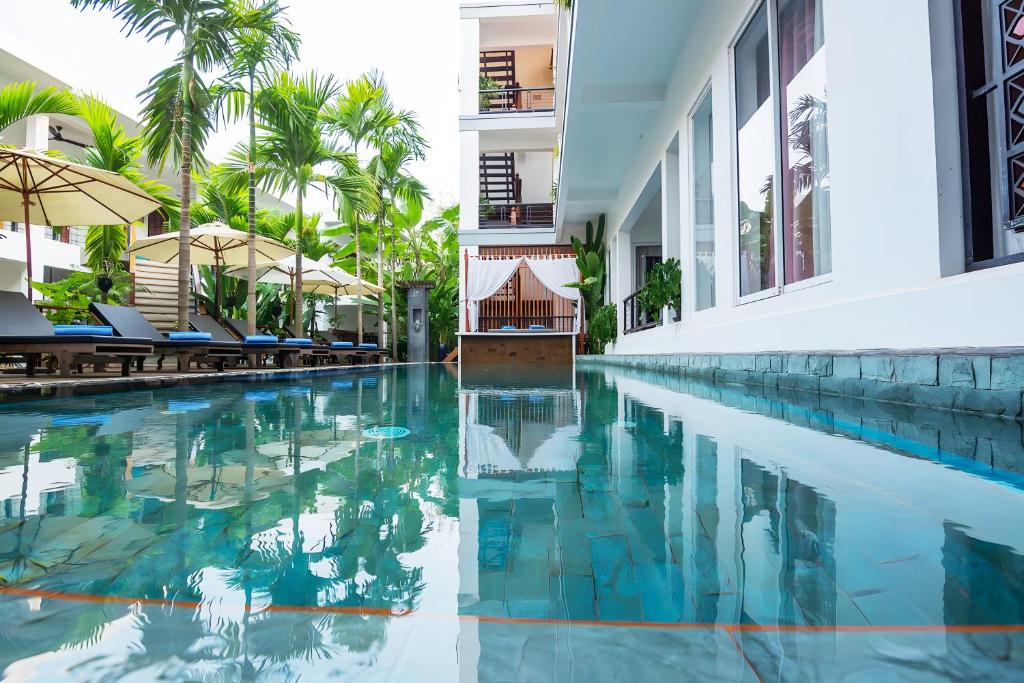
point(42, 190)
point(211, 244)
point(316, 278)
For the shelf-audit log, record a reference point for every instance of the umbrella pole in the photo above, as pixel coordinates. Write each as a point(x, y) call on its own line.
point(216, 283)
point(336, 306)
point(28, 239)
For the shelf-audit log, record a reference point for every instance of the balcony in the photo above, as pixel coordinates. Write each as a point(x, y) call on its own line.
point(517, 215)
point(635, 317)
point(513, 100)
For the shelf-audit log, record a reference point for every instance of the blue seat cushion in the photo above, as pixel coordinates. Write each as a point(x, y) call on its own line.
point(367, 345)
point(537, 327)
point(342, 345)
point(508, 327)
point(92, 330)
point(298, 342)
point(260, 339)
point(189, 336)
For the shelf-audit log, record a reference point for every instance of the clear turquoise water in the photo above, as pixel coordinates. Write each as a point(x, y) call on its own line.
point(583, 527)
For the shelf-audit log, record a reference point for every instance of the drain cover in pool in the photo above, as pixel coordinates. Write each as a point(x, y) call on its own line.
point(386, 432)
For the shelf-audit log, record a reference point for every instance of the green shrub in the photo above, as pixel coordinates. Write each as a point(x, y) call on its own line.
point(603, 328)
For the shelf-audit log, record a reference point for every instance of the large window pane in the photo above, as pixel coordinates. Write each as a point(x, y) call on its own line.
point(806, 233)
point(703, 206)
point(755, 142)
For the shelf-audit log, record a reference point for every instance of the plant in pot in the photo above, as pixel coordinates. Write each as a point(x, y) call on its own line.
point(664, 288)
point(486, 98)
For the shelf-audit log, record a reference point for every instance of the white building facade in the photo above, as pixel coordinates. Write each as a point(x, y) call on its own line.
point(830, 175)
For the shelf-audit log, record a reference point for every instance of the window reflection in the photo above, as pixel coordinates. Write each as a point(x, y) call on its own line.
point(755, 141)
point(806, 183)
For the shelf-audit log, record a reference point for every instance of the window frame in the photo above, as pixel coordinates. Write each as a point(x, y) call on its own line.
point(997, 142)
point(706, 92)
point(780, 138)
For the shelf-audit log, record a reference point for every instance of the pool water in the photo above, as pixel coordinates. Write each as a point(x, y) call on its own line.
point(401, 523)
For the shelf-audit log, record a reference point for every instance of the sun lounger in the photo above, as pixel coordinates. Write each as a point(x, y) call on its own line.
point(306, 348)
point(256, 349)
point(128, 322)
point(25, 332)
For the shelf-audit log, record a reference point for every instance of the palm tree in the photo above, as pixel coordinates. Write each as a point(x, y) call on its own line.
point(114, 150)
point(179, 108)
point(293, 144)
point(257, 51)
point(398, 191)
point(357, 115)
point(20, 100)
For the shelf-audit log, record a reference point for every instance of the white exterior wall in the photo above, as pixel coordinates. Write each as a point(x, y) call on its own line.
point(897, 245)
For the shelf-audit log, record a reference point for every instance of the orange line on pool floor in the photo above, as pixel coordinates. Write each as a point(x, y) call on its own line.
point(384, 612)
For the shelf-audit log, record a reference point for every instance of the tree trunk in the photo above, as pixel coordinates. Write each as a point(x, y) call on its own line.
point(359, 276)
point(393, 328)
point(251, 269)
point(381, 325)
point(184, 264)
point(297, 291)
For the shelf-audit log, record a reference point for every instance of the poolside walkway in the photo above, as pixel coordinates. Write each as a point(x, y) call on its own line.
point(15, 387)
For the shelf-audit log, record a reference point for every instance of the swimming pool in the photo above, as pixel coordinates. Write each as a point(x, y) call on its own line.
point(398, 523)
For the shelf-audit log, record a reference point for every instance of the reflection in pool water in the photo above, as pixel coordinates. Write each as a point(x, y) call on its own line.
point(576, 528)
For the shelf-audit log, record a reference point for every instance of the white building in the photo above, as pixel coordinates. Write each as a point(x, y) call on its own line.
point(831, 175)
point(57, 252)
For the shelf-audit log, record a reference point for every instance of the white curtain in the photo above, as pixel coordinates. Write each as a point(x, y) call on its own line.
point(555, 273)
point(485, 277)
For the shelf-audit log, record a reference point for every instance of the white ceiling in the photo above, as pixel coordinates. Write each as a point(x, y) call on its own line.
point(623, 56)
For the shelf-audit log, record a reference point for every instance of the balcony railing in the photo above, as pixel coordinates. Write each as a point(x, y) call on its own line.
point(517, 215)
point(551, 323)
point(635, 317)
point(505, 100)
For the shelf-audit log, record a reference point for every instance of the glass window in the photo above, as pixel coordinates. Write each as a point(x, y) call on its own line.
point(991, 45)
point(703, 205)
point(755, 143)
point(806, 234)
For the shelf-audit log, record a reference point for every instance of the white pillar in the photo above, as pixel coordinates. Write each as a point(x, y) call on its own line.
point(469, 180)
point(469, 68)
point(670, 223)
point(37, 132)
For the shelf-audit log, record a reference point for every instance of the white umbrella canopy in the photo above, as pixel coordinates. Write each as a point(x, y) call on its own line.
point(211, 244)
point(316, 277)
point(42, 190)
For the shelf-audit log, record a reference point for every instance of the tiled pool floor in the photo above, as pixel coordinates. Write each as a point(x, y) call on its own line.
point(610, 525)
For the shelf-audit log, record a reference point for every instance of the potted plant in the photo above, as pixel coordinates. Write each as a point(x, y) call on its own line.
point(664, 289)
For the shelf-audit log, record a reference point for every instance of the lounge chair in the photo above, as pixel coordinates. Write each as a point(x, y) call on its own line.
point(307, 348)
point(128, 322)
point(25, 332)
point(255, 350)
point(366, 351)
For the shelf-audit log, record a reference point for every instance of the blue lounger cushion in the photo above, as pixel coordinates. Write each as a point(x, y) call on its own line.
point(260, 339)
point(367, 345)
point(342, 345)
point(190, 336)
point(91, 330)
point(508, 327)
point(298, 342)
point(537, 327)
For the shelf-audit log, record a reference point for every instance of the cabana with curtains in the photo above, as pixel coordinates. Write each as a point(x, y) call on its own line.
point(519, 308)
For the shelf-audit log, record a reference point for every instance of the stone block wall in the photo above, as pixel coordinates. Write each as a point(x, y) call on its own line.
point(985, 382)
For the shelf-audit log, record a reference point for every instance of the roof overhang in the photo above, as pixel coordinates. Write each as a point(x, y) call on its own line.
point(622, 58)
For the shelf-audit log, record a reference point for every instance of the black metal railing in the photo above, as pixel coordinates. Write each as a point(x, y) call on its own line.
point(550, 323)
point(505, 100)
point(517, 215)
point(635, 317)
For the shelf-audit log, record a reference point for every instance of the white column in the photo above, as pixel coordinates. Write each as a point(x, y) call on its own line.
point(37, 132)
point(670, 224)
point(469, 179)
point(469, 68)
point(622, 263)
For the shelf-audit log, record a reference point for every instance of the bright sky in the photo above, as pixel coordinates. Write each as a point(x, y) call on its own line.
point(414, 42)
